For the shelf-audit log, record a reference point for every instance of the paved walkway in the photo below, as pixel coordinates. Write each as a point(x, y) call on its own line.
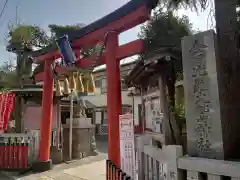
point(92, 171)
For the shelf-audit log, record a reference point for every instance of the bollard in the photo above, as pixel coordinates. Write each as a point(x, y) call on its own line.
point(114, 171)
point(119, 174)
point(124, 176)
point(110, 170)
point(107, 169)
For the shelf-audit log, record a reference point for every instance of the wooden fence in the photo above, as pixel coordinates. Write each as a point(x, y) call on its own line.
point(17, 151)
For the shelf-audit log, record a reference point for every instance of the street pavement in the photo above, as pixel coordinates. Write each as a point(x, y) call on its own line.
point(92, 171)
point(3, 177)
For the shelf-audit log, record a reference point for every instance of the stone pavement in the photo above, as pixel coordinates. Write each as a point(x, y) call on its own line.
point(92, 171)
point(89, 168)
point(3, 177)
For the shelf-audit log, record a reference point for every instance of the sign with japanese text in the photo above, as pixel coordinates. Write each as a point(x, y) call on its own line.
point(127, 150)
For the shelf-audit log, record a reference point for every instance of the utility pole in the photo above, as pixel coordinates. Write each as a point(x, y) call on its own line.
point(16, 15)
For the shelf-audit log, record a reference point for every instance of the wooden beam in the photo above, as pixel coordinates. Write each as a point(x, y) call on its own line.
point(126, 50)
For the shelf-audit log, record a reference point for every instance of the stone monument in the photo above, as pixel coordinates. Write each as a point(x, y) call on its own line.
point(202, 104)
point(83, 138)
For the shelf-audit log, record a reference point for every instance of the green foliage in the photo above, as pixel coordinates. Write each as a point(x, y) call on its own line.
point(186, 3)
point(58, 31)
point(179, 104)
point(7, 76)
point(39, 68)
point(165, 29)
point(23, 38)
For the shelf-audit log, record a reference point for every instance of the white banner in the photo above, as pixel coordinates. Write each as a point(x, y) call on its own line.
point(127, 149)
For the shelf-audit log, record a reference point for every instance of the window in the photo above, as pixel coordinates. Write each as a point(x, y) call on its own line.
point(98, 117)
point(127, 110)
point(64, 116)
point(103, 85)
point(98, 83)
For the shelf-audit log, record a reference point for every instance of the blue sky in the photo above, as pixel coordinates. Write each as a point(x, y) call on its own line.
point(44, 12)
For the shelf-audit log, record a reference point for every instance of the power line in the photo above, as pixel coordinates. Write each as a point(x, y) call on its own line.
point(5, 4)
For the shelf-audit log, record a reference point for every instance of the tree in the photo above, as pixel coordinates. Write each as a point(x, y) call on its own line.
point(25, 37)
point(58, 31)
point(21, 40)
point(227, 26)
point(166, 30)
point(7, 76)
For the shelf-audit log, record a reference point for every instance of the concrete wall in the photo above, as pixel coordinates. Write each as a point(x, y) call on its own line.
point(32, 117)
point(101, 99)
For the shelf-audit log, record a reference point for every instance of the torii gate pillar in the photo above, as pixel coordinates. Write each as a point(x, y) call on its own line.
point(44, 162)
point(114, 101)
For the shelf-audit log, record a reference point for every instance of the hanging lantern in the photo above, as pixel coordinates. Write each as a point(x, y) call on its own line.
point(72, 83)
point(58, 88)
point(66, 89)
point(91, 84)
point(79, 83)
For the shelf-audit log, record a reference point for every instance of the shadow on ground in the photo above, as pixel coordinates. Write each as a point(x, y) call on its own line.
point(102, 143)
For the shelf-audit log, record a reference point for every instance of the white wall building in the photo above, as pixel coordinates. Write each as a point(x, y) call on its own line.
point(100, 98)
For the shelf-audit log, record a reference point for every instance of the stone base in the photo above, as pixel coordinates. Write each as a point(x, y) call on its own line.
point(56, 155)
point(83, 143)
point(42, 166)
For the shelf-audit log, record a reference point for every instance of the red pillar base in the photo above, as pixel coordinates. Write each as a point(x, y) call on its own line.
point(42, 166)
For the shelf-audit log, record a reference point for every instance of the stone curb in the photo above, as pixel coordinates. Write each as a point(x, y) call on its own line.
point(9, 175)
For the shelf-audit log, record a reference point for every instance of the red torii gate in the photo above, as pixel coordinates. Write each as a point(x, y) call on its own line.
point(106, 29)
